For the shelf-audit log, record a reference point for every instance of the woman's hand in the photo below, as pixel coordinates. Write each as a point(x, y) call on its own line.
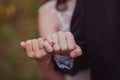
point(35, 49)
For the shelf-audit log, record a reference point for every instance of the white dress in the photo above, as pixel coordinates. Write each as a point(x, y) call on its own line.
point(64, 21)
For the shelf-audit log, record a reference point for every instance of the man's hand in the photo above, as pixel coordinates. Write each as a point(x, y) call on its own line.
point(63, 43)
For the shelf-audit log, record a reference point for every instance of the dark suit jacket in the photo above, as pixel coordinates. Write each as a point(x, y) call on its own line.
point(96, 27)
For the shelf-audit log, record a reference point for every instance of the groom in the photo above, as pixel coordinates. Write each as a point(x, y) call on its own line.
point(96, 27)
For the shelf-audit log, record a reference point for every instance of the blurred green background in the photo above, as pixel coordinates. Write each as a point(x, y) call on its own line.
point(18, 22)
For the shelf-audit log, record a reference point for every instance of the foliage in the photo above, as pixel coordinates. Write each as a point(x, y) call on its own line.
point(18, 22)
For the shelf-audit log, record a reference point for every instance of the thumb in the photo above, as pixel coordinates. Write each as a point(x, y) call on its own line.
point(76, 52)
point(23, 45)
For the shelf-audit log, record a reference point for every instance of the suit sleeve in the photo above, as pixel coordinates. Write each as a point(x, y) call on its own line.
point(78, 30)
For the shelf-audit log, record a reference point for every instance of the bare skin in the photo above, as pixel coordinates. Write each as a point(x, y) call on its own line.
point(52, 42)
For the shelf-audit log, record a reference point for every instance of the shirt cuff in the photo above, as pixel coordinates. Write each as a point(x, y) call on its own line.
point(63, 62)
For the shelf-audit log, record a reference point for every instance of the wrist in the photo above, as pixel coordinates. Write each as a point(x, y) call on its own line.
point(46, 60)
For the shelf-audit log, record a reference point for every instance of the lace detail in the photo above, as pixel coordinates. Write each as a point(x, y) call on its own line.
point(63, 17)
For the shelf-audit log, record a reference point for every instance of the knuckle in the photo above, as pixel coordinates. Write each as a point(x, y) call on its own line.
point(39, 39)
point(70, 34)
point(28, 42)
point(56, 49)
point(34, 40)
point(67, 32)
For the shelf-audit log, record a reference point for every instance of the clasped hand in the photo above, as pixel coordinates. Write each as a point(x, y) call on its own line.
point(62, 43)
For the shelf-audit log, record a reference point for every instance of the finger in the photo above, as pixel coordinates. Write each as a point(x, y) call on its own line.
point(35, 48)
point(56, 48)
point(40, 42)
point(50, 40)
point(44, 56)
point(70, 41)
point(55, 38)
point(22, 44)
point(62, 42)
point(29, 49)
point(48, 47)
point(77, 52)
